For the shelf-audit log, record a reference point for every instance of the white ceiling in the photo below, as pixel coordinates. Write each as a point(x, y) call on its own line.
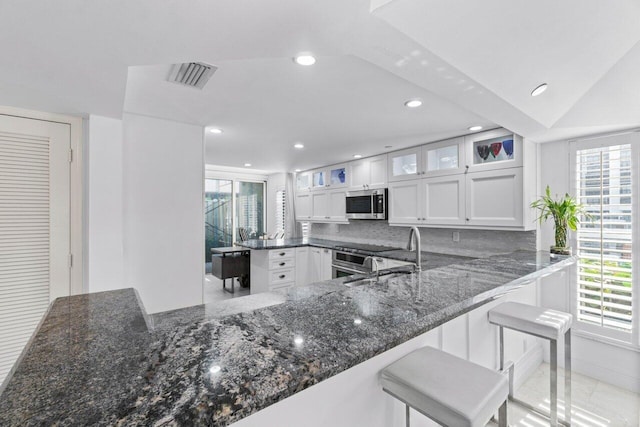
point(471, 62)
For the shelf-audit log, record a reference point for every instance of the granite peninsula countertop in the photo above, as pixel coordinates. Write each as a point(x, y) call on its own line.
point(99, 359)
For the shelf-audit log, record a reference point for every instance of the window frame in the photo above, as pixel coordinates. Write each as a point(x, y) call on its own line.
point(609, 334)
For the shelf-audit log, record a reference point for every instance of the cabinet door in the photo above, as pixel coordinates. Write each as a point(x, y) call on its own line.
point(404, 165)
point(337, 205)
point(377, 172)
point(338, 176)
point(303, 181)
point(302, 266)
point(494, 198)
point(491, 150)
point(303, 206)
point(325, 264)
point(405, 202)
point(444, 202)
point(320, 206)
point(360, 170)
point(444, 157)
point(314, 270)
point(319, 179)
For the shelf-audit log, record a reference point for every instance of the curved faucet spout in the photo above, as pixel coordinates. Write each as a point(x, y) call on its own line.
point(414, 234)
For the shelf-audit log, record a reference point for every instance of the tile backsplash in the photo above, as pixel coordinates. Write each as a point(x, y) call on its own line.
point(477, 243)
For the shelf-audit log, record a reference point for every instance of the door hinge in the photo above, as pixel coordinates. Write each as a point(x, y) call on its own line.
point(70, 260)
point(70, 155)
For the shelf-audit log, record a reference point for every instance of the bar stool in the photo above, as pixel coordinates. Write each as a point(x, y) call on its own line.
point(542, 323)
point(449, 390)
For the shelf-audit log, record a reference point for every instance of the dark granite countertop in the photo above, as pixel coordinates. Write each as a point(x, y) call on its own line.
point(98, 359)
point(429, 259)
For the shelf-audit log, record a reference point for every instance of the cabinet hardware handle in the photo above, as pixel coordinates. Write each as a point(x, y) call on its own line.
point(283, 263)
point(283, 253)
point(467, 219)
point(282, 276)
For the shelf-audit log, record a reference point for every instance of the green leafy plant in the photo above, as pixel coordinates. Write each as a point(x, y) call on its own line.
point(565, 212)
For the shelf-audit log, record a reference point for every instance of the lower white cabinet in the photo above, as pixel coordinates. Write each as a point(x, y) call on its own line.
point(272, 270)
point(302, 265)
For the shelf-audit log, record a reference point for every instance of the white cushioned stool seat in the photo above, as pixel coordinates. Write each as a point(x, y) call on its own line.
point(543, 322)
point(447, 389)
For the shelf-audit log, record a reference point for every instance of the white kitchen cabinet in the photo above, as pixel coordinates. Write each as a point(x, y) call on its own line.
point(444, 200)
point(325, 264)
point(444, 157)
point(304, 206)
point(302, 266)
point(337, 208)
point(272, 270)
point(495, 198)
point(319, 267)
point(405, 202)
point(338, 176)
point(303, 181)
point(494, 149)
point(318, 179)
point(369, 173)
point(404, 164)
point(320, 206)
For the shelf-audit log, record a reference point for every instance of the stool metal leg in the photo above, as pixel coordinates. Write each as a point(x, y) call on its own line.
point(502, 414)
point(553, 380)
point(406, 416)
point(567, 377)
point(502, 349)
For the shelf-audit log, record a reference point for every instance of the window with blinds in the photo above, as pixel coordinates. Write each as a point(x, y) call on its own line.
point(280, 210)
point(604, 239)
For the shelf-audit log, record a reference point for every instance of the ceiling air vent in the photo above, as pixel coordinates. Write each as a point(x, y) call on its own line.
point(192, 74)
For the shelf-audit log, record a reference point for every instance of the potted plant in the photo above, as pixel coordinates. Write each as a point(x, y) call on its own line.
point(566, 215)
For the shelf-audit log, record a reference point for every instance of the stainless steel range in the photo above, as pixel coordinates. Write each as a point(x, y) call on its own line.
point(347, 261)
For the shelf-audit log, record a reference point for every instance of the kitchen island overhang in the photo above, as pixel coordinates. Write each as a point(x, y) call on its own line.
point(97, 358)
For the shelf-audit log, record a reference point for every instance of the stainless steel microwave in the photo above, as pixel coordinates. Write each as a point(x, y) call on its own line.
point(367, 204)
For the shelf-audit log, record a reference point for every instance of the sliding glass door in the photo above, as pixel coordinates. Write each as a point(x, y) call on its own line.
point(234, 211)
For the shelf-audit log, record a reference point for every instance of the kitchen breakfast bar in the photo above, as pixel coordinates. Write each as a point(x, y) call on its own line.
point(305, 356)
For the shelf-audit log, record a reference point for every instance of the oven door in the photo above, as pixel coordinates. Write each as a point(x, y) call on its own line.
point(338, 271)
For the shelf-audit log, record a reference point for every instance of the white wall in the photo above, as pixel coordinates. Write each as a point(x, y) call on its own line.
point(618, 365)
point(104, 208)
point(163, 211)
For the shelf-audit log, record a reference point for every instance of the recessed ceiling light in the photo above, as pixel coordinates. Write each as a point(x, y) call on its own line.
point(475, 128)
point(215, 130)
point(298, 145)
point(305, 60)
point(357, 156)
point(247, 165)
point(537, 91)
point(298, 170)
point(413, 103)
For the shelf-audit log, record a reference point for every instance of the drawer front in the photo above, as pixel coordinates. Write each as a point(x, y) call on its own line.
point(282, 253)
point(281, 286)
point(282, 276)
point(282, 263)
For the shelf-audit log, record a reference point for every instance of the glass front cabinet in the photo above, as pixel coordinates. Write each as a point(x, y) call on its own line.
point(495, 149)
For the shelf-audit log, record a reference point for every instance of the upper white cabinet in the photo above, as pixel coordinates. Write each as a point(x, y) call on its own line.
point(405, 202)
point(303, 181)
point(337, 209)
point(444, 200)
point(303, 206)
point(336, 176)
point(444, 157)
point(404, 164)
point(320, 206)
point(369, 173)
point(494, 149)
point(494, 198)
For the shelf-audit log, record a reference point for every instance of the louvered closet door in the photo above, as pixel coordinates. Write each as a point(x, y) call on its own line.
point(34, 227)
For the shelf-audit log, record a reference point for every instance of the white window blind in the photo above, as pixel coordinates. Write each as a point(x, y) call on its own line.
point(24, 242)
point(280, 210)
point(604, 178)
point(306, 228)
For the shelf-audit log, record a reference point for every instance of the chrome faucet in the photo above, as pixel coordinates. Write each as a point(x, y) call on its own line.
point(373, 262)
point(418, 247)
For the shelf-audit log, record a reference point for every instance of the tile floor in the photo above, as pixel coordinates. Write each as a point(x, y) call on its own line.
point(213, 291)
point(595, 404)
